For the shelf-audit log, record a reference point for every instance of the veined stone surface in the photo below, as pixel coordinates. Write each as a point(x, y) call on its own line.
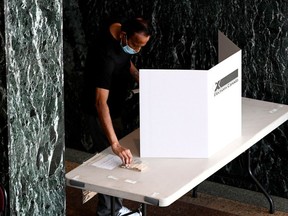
point(3, 104)
point(35, 104)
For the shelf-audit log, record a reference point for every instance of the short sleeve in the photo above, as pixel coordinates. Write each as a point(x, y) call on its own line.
point(103, 78)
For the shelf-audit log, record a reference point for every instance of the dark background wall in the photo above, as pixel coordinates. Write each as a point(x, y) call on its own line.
point(185, 37)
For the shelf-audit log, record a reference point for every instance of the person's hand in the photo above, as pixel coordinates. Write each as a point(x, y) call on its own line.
point(123, 153)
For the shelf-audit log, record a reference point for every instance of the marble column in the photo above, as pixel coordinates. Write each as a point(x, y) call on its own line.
point(3, 105)
point(32, 103)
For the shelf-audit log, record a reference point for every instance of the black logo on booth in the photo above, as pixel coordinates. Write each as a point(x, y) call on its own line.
point(226, 82)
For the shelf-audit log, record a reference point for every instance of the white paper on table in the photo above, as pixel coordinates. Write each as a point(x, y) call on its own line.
point(108, 162)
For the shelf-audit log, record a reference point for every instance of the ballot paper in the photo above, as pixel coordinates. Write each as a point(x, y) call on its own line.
point(109, 162)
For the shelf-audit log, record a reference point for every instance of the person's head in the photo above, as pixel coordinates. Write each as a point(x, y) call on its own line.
point(135, 33)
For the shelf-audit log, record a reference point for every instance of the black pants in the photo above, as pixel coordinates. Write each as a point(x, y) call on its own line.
point(100, 142)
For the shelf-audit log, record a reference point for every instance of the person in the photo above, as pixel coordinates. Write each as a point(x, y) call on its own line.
point(107, 79)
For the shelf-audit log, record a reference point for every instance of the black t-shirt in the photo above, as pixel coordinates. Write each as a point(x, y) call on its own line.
point(107, 67)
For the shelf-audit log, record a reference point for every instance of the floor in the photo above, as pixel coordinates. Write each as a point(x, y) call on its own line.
point(213, 199)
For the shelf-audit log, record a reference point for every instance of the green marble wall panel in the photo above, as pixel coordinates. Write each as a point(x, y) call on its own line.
point(35, 104)
point(3, 104)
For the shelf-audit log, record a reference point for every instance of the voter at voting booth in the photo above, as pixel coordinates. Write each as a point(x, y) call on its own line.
point(108, 72)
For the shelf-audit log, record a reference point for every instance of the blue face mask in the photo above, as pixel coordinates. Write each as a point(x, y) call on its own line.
point(127, 49)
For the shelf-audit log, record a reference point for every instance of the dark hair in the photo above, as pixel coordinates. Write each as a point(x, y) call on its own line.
point(136, 25)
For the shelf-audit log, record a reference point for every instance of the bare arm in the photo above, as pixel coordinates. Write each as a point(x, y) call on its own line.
point(106, 122)
point(134, 72)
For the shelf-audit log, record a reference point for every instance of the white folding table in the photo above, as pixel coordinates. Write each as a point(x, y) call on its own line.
point(165, 180)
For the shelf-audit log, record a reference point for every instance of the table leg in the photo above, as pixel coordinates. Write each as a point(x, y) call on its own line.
point(144, 209)
point(271, 202)
point(194, 192)
point(112, 206)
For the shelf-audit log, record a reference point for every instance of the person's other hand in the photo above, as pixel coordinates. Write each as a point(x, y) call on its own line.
point(123, 153)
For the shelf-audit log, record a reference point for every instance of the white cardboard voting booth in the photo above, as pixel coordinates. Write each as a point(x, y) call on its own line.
point(191, 113)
